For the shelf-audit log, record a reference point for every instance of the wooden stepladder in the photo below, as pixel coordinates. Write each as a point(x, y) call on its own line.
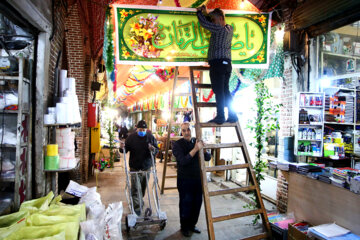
point(210, 220)
point(167, 143)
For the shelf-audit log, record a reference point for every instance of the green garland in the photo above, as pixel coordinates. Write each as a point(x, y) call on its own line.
point(110, 47)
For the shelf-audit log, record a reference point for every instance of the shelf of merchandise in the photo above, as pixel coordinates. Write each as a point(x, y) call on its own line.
point(336, 123)
point(342, 88)
point(310, 140)
point(22, 162)
point(65, 169)
point(314, 125)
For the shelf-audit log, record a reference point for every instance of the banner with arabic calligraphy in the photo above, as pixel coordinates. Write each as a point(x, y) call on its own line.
point(173, 36)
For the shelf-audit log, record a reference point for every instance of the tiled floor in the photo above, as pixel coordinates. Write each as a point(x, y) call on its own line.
point(112, 185)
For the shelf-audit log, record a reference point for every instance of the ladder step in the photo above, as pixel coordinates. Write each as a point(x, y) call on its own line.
point(202, 85)
point(171, 164)
point(231, 190)
point(206, 104)
point(171, 176)
point(223, 145)
point(256, 237)
point(237, 215)
point(226, 124)
point(169, 188)
point(181, 109)
point(227, 167)
point(200, 68)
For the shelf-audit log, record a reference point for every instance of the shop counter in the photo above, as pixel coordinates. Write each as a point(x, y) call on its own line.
point(317, 202)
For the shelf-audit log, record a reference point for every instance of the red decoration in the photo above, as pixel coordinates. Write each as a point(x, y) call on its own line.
point(165, 74)
point(208, 97)
point(22, 189)
point(23, 162)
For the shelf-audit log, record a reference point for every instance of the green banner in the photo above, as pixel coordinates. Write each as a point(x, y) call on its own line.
point(149, 35)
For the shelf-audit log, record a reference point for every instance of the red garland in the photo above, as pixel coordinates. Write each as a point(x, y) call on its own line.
point(208, 97)
point(177, 3)
point(156, 102)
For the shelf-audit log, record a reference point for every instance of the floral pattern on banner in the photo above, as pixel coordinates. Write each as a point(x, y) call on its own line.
point(142, 32)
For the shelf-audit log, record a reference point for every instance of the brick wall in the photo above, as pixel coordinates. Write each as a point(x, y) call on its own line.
point(282, 191)
point(286, 127)
point(77, 67)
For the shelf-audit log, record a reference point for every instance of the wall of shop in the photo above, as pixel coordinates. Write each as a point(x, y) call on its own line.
point(80, 67)
point(288, 95)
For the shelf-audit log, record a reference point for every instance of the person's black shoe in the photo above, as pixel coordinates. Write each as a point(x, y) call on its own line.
point(186, 233)
point(232, 118)
point(217, 120)
point(196, 230)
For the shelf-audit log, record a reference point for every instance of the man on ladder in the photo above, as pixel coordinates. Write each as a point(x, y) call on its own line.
point(219, 58)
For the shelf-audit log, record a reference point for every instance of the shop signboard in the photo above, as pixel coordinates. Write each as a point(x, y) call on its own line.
point(174, 37)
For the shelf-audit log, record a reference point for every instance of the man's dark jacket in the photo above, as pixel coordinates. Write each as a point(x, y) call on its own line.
point(188, 167)
point(140, 158)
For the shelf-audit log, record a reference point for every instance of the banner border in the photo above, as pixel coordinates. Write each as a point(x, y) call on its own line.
point(151, 7)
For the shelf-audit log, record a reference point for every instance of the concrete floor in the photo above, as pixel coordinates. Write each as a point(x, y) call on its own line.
point(111, 185)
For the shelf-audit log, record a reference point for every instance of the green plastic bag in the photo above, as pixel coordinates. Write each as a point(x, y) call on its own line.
point(37, 219)
point(54, 232)
point(38, 204)
point(67, 210)
point(72, 223)
point(56, 201)
point(11, 223)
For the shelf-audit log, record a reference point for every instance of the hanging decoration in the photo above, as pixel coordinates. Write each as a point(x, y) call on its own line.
point(207, 99)
point(149, 35)
point(166, 74)
point(110, 57)
point(276, 68)
point(184, 105)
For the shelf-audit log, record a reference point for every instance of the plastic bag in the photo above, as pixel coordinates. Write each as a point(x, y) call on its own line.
point(37, 219)
point(56, 201)
point(113, 221)
point(93, 229)
point(76, 189)
point(93, 203)
point(71, 223)
point(67, 210)
point(54, 232)
point(38, 204)
point(12, 223)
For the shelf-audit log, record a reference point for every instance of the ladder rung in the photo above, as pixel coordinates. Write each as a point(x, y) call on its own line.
point(181, 109)
point(206, 104)
point(171, 164)
point(200, 68)
point(231, 190)
point(226, 124)
point(171, 176)
point(223, 145)
point(256, 237)
point(183, 94)
point(169, 188)
point(237, 215)
point(202, 85)
point(227, 167)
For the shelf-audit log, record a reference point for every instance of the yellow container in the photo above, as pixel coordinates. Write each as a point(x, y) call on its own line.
point(52, 150)
point(95, 139)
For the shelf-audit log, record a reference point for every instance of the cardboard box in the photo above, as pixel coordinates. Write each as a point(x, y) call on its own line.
point(295, 234)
